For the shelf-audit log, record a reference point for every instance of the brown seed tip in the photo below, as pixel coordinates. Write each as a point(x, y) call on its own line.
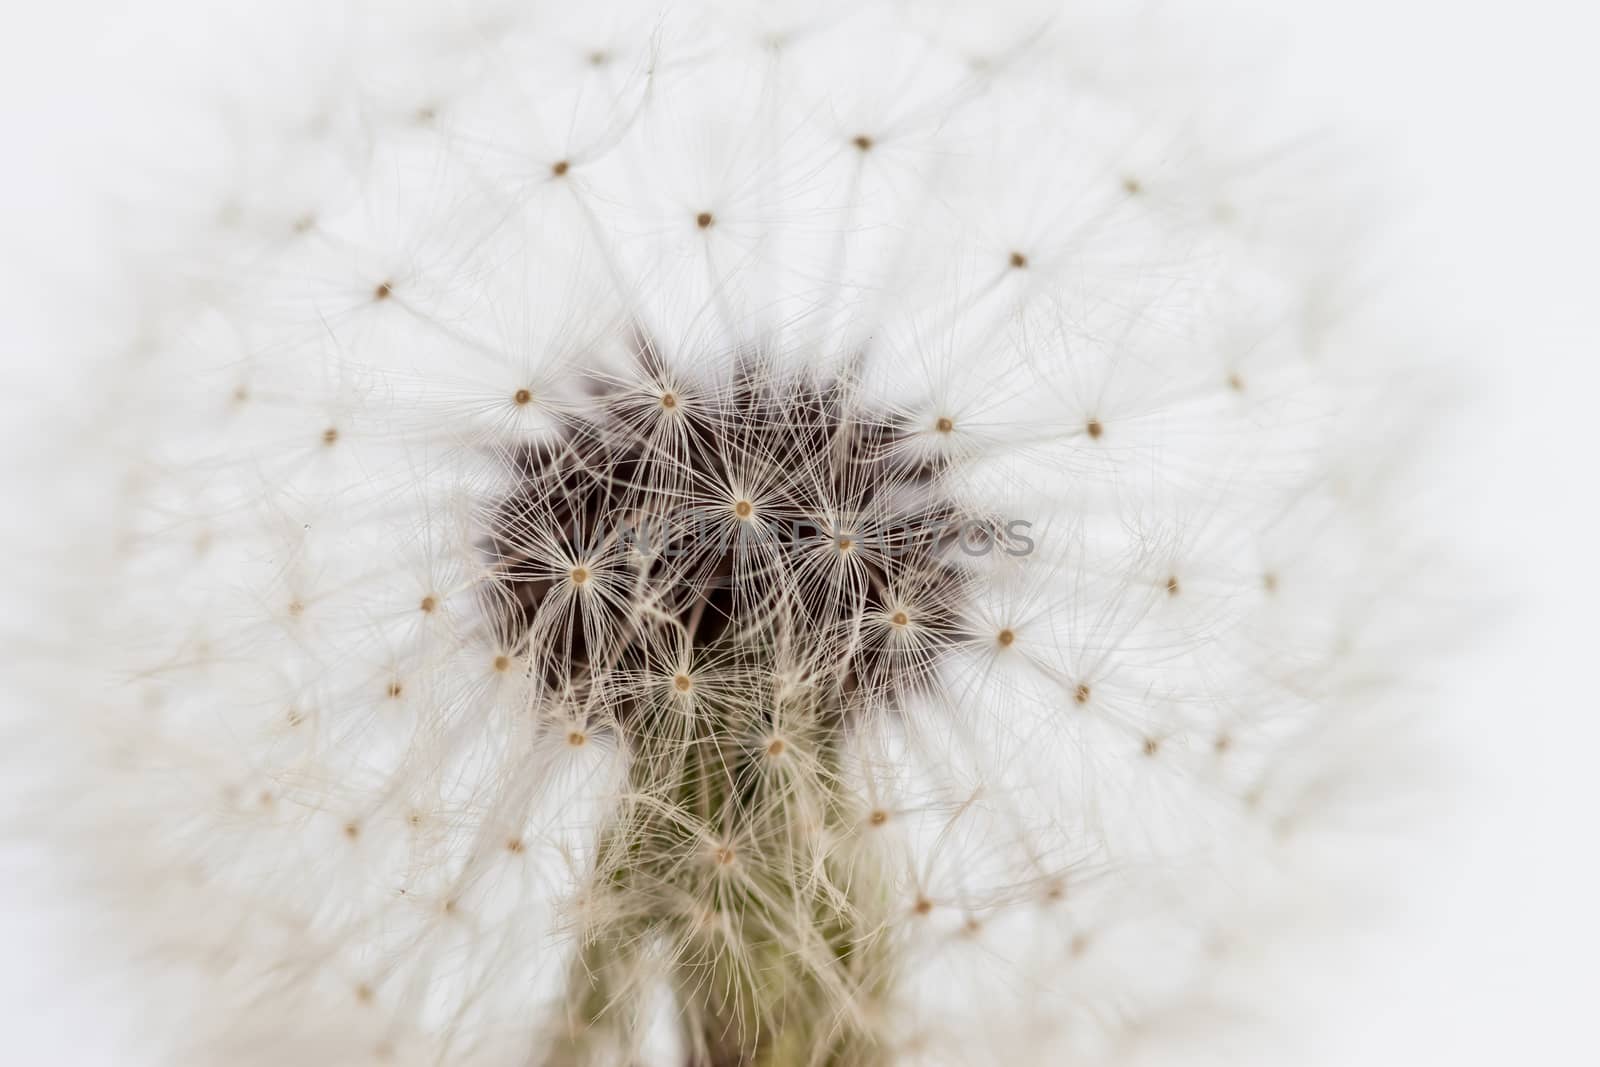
point(428, 603)
point(1269, 582)
point(576, 738)
point(330, 435)
point(515, 844)
point(863, 142)
point(1005, 637)
point(724, 855)
point(1094, 428)
point(1151, 746)
point(900, 618)
point(1018, 260)
point(878, 817)
point(1236, 383)
point(845, 544)
point(744, 509)
point(923, 906)
point(559, 167)
point(384, 291)
point(945, 424)
point(1132, 186)
point(1172, 586)
point(1081, 694)
point(580, 575)
point(703, 220)
point(352, 830)
point(502, 663)
point(669, 400)
point(394, 690)
point(682, 683)
point(776, 747)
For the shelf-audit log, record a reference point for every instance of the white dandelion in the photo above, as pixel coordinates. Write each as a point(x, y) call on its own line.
point(804, 535)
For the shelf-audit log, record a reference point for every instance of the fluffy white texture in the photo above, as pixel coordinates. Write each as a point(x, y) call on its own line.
point(337, 825)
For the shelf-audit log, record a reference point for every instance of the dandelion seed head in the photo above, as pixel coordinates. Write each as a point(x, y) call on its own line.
point(706, 523)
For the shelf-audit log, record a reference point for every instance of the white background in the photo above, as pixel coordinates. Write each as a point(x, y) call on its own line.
point(1487, 111)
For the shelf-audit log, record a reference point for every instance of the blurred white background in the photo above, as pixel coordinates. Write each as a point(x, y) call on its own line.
point(1486, 110)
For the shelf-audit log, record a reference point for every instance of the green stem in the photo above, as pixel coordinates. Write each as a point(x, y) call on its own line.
point(723, 877)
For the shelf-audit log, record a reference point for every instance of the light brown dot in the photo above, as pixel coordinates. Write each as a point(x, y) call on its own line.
point(1080, 944)
point(1132, 186)
point(330, 435)
point(845, 544)
point(352, 830)
point(580, 575)
point(1018, 260)
point(522, 396)
point(294, 716)
point(1269, 582)
point(449, 907)
point(240, 394)
point(1094, 428)
point(1056, 890)
point(577, 738)
point(428, 604)
point(744, 509)
point(515, 844)
point(863, 142)
point(724, 855)
point(559, 167)
point(878, 817)
point(1081, 694)
point(599, 58)
point(502, 663)
point(1172, 586)
point(682, 683)
point(776, 747)
point(394, 690)
point(364, 993)
point(972, 927)
point(384, 291)
point(945, 424)
point(1005, 637)
point(900, 618)
point(923, 906)
point(704, 220)
point(669, 400)
point(296, 609)
point(1151, 746)
point(304, 223)
point(1236, 383)
point(426, 115)
point(1222, 743)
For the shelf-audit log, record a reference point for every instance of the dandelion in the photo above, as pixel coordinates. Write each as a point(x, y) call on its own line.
point(835, 536)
